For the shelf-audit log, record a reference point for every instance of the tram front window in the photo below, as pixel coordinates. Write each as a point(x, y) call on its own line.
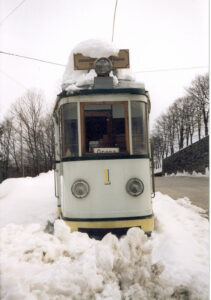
point(104, 128)
point(139, 127)
point(69, 128)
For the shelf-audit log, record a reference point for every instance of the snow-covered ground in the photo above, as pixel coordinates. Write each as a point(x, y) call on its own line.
point(194, 174)
point(184, 173)
point(35, 265)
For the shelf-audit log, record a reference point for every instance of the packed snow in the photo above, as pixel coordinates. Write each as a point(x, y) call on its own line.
point(27, 200)
point(193, 174)
point(95, 48)
point(36, 265)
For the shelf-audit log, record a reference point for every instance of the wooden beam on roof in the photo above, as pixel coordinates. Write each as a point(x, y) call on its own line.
point(121, 61)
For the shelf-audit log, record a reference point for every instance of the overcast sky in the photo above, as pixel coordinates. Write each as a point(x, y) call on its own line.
point(161, 34)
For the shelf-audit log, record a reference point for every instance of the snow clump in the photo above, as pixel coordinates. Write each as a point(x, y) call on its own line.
point(73, 266)
point(75, 79)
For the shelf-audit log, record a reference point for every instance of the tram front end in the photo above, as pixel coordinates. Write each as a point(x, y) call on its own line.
point(103, 170)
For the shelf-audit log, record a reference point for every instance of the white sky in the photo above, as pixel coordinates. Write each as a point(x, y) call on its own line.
point(160, 35)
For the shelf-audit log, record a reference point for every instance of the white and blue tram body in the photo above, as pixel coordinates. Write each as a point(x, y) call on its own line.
point(103, 160)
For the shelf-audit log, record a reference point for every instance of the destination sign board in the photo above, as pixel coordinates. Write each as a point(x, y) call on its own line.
point(82, 62)
point(106, 150)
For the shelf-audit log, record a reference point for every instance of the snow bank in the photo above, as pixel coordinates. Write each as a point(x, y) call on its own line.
point(28, 200)
point(172, 264)
point(181, 242)
point(158, 170)
point(194, 174)
point(75, 79)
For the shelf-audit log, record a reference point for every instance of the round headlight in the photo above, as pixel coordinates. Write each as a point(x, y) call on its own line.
point(80, 189)
point(135, 187)
point(103, 66)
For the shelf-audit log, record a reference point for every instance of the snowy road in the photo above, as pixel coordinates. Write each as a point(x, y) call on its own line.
point(35, 265)
point(195, 188)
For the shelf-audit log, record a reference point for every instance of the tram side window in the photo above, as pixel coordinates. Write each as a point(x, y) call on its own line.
point(69, 128)
point(104, 128)
point(139, 127)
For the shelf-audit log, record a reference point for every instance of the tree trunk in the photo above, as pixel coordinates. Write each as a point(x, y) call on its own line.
point(191, 138)
point(181, 143)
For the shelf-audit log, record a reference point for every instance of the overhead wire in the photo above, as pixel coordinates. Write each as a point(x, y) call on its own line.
point(58, 64)
point(62, 65)
point(32, 58)
point(172, 69)
point(141, 71)
point(13, 79)
point(11, 12)
point(157, 70)
point(114, 19)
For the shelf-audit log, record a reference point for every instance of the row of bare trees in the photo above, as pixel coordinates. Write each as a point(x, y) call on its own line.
point(185, 122)
point(27, 137)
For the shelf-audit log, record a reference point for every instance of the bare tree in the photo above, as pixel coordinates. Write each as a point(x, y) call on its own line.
point(171, 128)
point(183, 118)
point(190, 118)
point(5, 146)
point(47, 141)
point(177, 110)
point(28, 113)
point(27, 137)
point(199, 91)
point(160, 139)
point(158, 150)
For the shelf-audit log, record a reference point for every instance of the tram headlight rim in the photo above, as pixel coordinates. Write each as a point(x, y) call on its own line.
point(84, 185)
point(129, 184)
point(98, 65)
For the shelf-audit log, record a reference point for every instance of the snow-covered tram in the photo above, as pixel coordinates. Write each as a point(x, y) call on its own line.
point(103, 170)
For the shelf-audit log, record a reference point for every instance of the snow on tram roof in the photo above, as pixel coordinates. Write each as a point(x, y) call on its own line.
point(75, 80)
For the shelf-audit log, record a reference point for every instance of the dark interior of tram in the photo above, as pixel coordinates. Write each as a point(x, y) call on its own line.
point(103, 131)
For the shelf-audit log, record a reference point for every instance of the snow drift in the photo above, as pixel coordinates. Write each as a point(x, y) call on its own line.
point(172, 264)
point(28, 200)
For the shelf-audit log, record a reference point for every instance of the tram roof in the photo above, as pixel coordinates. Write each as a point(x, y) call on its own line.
point(115, 90)
point(123, 87)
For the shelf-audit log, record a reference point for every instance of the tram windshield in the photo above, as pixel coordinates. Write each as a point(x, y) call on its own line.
point(104, 128)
